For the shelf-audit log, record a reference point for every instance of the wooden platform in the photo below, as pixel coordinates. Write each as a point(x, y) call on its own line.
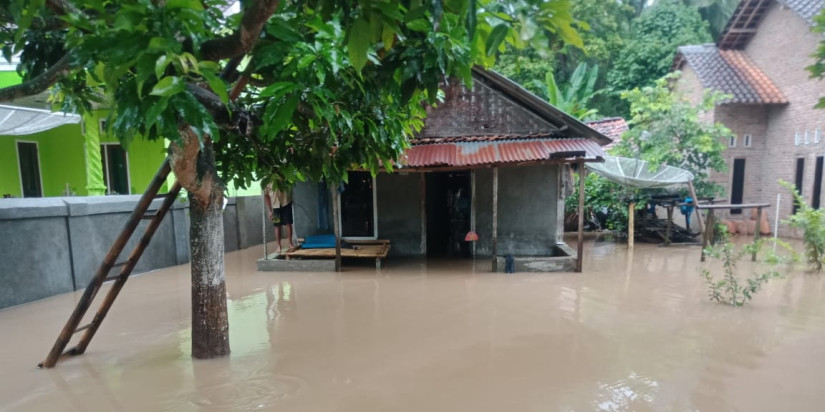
point(364, 249)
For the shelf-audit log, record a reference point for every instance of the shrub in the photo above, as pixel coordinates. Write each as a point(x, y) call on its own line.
point(812, 223)
point(730, 289)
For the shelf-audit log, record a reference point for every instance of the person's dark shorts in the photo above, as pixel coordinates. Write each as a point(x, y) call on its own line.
point(282, 215)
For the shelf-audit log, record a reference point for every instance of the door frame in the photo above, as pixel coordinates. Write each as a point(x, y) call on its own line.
point(374, 213)
point(105, 160)
point(20, 171)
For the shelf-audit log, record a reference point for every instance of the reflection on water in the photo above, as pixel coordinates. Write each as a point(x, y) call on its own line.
point(634, 332)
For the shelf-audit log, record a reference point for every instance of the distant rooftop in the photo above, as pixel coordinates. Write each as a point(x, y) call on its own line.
point(612, 127)
point(730, 72)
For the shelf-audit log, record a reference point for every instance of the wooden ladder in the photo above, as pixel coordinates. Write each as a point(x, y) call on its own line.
point(110, 261)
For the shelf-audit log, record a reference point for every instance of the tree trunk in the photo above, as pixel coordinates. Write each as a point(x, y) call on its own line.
point(210, 327)
point(194, 167)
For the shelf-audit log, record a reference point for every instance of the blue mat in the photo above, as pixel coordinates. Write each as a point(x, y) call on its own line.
point(319, 242)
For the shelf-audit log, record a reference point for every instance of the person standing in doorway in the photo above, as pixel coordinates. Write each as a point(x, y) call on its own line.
point(278, 201)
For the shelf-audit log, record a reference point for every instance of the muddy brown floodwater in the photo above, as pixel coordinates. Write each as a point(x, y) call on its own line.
point(634, 332)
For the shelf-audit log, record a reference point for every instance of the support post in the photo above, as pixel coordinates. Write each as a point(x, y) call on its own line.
point(495, 216)
point(696, 207)
point(336, 222)
point(422, 193)
point(631, 218)
point(708, 233)
point(580, 243)
point(756, 229)
point(669, 224)
point(266, 253)
point(473, 207)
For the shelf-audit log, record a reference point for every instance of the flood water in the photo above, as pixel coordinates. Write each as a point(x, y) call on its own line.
point(634, 332)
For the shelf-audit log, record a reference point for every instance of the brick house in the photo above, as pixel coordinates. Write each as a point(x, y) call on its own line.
point(760, 61)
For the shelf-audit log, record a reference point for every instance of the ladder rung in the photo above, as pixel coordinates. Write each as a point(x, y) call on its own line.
point(119, 264)
point(147, 217)
point(111, 278)
point(161, 195)
point(84, 327)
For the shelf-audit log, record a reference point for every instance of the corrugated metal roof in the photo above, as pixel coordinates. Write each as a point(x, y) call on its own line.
point(479, 153)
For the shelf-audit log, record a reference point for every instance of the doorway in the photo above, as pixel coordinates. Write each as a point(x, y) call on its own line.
point(738, 185)
point(115, 169)
point(28, 159)
point(449, 207)
point(358, 205)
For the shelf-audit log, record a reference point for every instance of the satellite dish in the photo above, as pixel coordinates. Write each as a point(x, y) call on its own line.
point(640, 173)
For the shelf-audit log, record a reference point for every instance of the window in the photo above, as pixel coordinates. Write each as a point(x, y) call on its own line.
point(115, 169)
point(358, 206)
point(816, 135)
point(796, 139)
point(732, 142)
point(806, 137)
point(748, 140)
point(800, 170)
point(28, 162)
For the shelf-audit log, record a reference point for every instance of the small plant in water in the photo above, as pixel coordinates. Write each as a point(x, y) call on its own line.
point(730, 289)
point(812, 223)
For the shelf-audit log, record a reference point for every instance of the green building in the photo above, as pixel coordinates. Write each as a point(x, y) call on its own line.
point(58, 154)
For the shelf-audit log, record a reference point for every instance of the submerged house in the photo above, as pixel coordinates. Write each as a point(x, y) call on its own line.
point(489, 160)
point(760, 60)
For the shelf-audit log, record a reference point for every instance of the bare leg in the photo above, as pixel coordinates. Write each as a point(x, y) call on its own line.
point(278, 237)
point(289, 236)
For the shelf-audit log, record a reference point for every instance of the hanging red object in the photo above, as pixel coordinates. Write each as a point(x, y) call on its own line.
point(471, 236)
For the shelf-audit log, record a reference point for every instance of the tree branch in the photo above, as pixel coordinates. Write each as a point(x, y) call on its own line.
point(242, 40)
point(227, 117)
point(38, 84)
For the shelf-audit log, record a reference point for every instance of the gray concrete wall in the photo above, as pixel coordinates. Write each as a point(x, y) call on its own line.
point(399, 212)
point(527, 207)
point(55, 245)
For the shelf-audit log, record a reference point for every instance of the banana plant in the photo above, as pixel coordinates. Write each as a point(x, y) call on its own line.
point(574, 96)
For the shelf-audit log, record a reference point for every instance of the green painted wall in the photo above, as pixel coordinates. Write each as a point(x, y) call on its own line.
point(9, 79)
point(62, 161)
point(9, 175)
point(144, 158)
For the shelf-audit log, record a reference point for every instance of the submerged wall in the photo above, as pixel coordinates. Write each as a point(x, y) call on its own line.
point(54, 245)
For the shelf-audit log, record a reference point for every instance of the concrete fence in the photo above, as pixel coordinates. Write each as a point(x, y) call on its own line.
point(54, 245)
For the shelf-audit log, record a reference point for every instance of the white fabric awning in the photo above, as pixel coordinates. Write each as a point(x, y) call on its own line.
point(16, 121)
point(638, 173)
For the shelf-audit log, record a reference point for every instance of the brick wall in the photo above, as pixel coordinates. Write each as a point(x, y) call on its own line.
point(781, 48)
point(743, 120)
